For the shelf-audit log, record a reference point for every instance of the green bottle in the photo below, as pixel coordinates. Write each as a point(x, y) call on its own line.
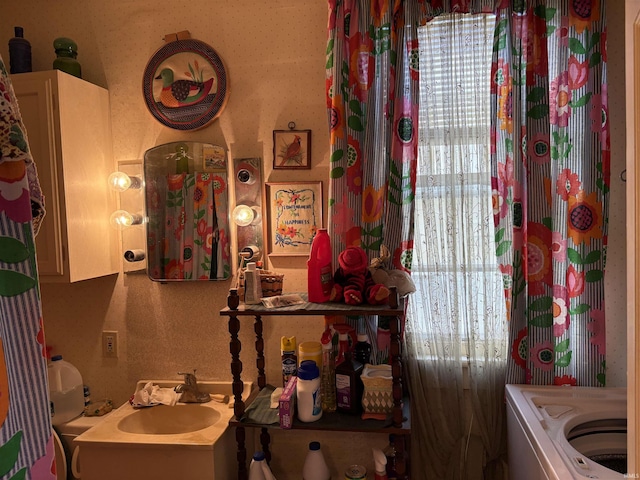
point(67, 51)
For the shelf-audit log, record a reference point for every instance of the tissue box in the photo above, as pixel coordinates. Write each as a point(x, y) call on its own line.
point(377, 396)
point(288, 403)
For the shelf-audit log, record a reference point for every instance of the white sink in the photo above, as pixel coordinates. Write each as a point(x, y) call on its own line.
point(165, 420)
point(157, 442)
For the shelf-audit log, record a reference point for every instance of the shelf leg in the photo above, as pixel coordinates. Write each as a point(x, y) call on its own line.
point(241, 454)
point(265, 440)
point(257, 327)
point(402, 456)
point(235, 346)
point(396, 371)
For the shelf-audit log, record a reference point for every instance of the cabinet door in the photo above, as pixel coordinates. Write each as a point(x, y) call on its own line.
point(36, 103)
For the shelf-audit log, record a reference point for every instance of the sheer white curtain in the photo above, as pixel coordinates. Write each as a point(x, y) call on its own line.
point(456, 333)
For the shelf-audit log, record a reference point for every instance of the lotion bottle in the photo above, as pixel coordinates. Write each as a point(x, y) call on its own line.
point(252, 286)
point(380, 461)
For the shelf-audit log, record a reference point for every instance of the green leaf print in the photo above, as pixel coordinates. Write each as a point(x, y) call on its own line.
point(582, 101)
point(408, 199)
point(536, 94)
point(355, 123)
point(337, 172)
point(500, 36)
point(499, 235)
point(12, 250)
point(355, 107)
point(546, 221)
point(550, 30)
point(538, 112)
point(595, 59)
point(9, 453)
point(329, 64)
point(563, 346)
point(542, 304)
point(576, 46)
point(564, 360)
point(602, 186)
point(543, 321)
point(593, 276)
point(595, 39)
point(337, 155)
point(601, 377)
point(574, 256)
point(543, 12)
point(14, 283)
point(593, 257)
point(503, 248)
point(579, 309)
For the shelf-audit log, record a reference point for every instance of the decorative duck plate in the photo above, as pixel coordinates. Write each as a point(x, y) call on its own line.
point(185, 84)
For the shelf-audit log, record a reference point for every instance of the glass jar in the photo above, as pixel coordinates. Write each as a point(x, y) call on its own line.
point(66, 51)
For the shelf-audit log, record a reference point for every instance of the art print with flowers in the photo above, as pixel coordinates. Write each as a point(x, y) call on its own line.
point(295, 214)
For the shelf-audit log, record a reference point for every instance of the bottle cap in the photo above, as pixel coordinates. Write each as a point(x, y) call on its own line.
point(55, 358)
point(308, 370)
point(288, 344)
point(362, 337)
point(314, 446)
point(18, 32)
point(258, 456)
point(251, 266)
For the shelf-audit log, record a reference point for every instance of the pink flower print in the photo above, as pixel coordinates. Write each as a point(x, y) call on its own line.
point(500, 75)
point(519, 349)
point(575, 282)
point(208, 243)
point(539, 149)
point(542, 356)
point(559, 101)
point(597, 329)
point(562, 32)
point(558, 247)
point(578, 73)
point(600, 116)
point(568, 184)
point(202, 228)
point(560, 309)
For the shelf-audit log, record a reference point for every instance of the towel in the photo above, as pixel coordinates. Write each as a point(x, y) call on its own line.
point(151, 395)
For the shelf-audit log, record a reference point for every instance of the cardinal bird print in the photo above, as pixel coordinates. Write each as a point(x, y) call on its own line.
point(291, 150)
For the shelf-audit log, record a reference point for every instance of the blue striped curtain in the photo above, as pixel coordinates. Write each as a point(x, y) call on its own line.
point(26, 443)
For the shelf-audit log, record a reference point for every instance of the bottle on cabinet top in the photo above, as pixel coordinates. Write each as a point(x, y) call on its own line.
point(66, 51)
point(19, 52)
point(319, 268)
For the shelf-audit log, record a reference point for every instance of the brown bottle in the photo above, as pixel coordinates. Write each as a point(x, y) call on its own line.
point(349, 385)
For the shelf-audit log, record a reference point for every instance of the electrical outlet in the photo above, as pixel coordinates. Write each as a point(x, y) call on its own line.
point(110, 343)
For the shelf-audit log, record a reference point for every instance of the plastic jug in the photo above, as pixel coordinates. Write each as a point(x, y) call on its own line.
point(66, 390)
point(315, 467)
point(319, 271)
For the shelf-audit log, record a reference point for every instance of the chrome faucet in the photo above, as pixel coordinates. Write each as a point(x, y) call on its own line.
point(189, 390)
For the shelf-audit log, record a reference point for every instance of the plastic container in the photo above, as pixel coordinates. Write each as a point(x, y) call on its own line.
point(252, 287)
point(315, 467)
point(319, 269)
point(310, 351)
point(66, 390)
point(289, 358)
point(308, 396)
point(66, 54)
point(19, 52)
point(259, 469)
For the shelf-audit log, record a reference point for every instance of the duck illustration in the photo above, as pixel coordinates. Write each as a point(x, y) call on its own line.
point(181, 93)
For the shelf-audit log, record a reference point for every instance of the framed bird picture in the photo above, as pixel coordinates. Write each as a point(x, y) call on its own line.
point(185, 84)
point(292, 149)
point(295, 214)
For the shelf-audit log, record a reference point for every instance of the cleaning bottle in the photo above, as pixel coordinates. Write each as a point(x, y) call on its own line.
point(289, 358)
point(319, 269)
point(315, 467)
point(363, 349)
point(259, 469)
point(252, 285)
point(349, 385)
point(66, 390)
point(380, 462)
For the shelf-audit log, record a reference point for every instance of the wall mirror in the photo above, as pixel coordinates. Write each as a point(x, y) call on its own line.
point(187, 212)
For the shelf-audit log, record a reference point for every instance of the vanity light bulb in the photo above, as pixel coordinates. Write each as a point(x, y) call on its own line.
point(122, 219)
point(120, 181)
point(243, 215)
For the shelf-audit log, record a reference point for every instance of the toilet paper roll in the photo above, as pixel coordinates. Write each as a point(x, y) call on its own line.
point(134, 255)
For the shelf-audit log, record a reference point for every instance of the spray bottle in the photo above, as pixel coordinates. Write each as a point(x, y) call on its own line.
point(380, 461)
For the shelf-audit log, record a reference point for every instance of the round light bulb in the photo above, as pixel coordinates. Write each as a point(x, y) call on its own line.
point(120, 181)
point(123, 219)
point(243, 215)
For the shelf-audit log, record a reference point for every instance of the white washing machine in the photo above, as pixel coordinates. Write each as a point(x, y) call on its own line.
point(68, 460)
point(560, 433)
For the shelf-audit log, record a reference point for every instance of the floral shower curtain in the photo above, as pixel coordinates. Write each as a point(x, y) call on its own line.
point(551, 187)
point(26, 439)
point(372, 92)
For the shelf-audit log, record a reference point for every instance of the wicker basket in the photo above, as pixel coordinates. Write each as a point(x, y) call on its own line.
point(271, 283)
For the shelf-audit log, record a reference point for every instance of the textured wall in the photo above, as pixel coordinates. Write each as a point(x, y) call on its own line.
point(274, 54)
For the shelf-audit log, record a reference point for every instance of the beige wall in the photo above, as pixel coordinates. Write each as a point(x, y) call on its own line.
point(274, 54)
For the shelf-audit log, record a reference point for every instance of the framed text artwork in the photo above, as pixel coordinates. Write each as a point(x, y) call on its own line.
point(295, 214)
point(292, 149)
point(185, 84)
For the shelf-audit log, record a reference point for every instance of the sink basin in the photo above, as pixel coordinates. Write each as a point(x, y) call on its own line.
point(164, 420)
point(158, 442)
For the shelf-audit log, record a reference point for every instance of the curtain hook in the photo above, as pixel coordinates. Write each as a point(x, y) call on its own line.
point(623, 175)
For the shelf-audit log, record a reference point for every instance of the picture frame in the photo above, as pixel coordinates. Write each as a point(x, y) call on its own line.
point(292, 149)
point(294, 215)
point(197, 72)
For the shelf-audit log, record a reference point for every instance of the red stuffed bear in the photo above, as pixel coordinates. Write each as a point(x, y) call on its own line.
point(353, 282)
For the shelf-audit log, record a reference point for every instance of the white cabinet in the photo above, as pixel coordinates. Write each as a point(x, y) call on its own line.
point(69, 129)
